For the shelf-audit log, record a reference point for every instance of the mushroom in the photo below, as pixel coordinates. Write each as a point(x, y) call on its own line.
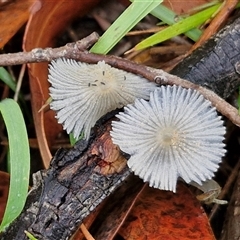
point(82, 93)
point(176, 134)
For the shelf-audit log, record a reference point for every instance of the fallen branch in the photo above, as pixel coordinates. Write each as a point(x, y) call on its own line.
point(77, 181)
point(76, 51)
point(47, 54)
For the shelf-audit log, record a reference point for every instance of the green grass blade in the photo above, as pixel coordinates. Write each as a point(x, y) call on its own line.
point(124, 23)
point(7, 79)
point(30, 236)
point(19, 160)
point(178, 28)
point(169, 17)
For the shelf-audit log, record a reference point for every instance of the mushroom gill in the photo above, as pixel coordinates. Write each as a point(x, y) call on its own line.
point(82, 93)
point(176, 134)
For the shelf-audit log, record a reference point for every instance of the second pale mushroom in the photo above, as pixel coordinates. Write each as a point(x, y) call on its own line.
point(176, 134)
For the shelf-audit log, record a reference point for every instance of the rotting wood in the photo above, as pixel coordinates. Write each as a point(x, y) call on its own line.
point(75, 184)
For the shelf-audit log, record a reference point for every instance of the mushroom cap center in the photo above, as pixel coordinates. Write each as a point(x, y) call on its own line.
point(168, 136)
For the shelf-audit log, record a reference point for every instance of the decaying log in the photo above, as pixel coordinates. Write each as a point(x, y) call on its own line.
point(75, 183)
point(216, 64)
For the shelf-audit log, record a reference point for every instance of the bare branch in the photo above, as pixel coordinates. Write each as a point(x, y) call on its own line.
point(47, 54)
point(221, 105)
point(77, 51)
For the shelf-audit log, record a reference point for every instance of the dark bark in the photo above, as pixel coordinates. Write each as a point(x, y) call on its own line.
point(215, 65)
point(76, 182)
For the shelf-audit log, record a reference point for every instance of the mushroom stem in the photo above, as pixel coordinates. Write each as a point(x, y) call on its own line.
point(211, 190)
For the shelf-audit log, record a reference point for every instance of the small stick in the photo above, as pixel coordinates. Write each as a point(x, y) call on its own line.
point(47, 54)
point(77, 51)
point(86, 233)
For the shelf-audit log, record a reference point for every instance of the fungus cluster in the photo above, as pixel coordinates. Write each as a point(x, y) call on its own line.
point(82, 93)
point(169, 132)
point(176, 134)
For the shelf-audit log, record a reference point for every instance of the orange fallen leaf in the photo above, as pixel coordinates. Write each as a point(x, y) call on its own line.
point(166, 215)
point(182, 7)
point(12, 16)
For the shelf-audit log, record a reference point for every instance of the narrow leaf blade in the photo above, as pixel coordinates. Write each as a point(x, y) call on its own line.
point(167, 16)
point(125, 22)
point(178, 28)
point(19, 160)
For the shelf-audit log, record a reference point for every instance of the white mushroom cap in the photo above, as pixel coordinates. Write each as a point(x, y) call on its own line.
point(82, 93)
point(176, 134)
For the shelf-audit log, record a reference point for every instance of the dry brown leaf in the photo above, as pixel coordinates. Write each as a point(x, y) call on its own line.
point(47, 21)
point(166, 215)
point(116, 209)
point(182, 7)
point(12, 16)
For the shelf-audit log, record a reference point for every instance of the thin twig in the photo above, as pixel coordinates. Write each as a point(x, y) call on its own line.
point(86, 233)
point(19, 82)
point(76, 51)
point(221, 105)
point(47, 54)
